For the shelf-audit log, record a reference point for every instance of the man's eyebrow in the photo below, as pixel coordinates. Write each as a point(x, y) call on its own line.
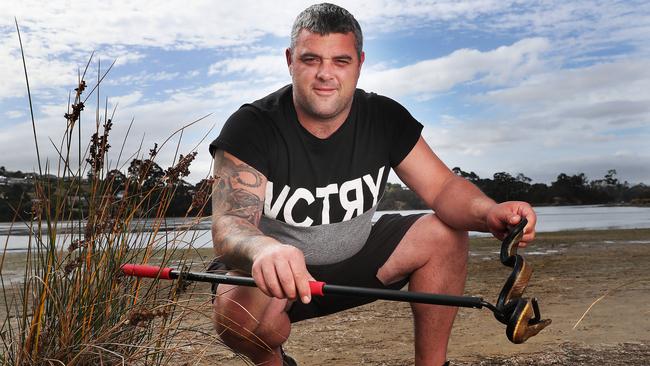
point(337, 57)
point(309, 54)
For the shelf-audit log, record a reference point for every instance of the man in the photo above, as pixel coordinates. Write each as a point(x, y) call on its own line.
point(298, 177)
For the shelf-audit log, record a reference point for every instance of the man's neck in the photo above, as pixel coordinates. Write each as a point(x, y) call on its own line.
point(320, 127)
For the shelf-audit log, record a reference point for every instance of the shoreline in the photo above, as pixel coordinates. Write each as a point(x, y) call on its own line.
point(578, 268)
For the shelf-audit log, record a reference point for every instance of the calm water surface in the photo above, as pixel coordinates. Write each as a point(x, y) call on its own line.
point(549, 219)
point(559, 218)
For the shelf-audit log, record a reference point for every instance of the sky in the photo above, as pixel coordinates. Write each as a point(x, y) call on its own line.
point(533, 87)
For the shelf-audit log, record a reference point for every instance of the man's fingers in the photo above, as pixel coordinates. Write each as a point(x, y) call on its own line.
point(279, 271)
point(256, 272)
point(527, 238)
point(271, 280)
point(302, 282)
point(514, 219)
point(286, 277)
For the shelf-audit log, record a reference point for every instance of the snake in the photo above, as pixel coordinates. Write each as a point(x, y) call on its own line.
point(520, 315)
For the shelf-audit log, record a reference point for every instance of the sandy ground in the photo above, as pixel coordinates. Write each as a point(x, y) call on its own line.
point(571, 271)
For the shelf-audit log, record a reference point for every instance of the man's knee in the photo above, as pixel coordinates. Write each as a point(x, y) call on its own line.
point(441, 238)
point(457, 240)
point(428, 242)
point(245, 322)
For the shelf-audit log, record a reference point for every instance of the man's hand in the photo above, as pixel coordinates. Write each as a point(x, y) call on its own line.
point(280, 271)
point(503, 216)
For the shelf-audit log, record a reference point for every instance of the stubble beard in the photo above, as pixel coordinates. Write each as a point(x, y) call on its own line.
point(324, 110)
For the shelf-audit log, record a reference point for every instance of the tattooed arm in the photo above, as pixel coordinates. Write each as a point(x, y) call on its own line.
point(238, 194)
point(237, 205)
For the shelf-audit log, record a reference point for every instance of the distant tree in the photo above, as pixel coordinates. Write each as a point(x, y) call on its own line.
point(471, 176)
point(145, 173)
point(610, 177)
point(116, 179)
point(180, 200)
point(505, 187)
point(523, 179)
point(539, 194)
point(570, 189)
point(637, 194)
point(14, 197)
point(201, 195)
point(397, 197)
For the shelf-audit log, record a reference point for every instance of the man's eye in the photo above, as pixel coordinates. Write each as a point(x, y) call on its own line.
point(309, 60)
point(342, 61)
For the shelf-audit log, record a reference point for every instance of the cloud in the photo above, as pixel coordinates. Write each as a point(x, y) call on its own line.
point(14, 114)
point(631, 167)
point(592, 98)
point(272, 65)
point(557, 121)
point(500, 66)
point(600, 81)
point(126, 100)
point(57, 35)
point(566, 79)
point(143, 78)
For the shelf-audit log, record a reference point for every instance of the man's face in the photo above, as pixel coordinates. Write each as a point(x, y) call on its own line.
point(324, 70)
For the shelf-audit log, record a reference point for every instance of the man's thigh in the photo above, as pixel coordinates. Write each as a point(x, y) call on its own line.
point(360, 270)
point(429, 241)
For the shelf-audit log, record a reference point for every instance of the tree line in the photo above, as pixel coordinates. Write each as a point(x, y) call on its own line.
point(567, 189)
point(17, 190)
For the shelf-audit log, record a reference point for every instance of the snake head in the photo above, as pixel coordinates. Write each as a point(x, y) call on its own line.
point(525, 321)
point(511, 242)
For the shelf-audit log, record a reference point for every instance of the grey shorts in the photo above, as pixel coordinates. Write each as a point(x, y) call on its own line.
point(359, 270)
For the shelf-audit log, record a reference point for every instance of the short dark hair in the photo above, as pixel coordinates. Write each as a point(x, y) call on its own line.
point(327, 18)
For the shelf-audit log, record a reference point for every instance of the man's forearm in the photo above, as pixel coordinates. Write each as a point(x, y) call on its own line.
point(461, 205)
point(237, 206)
point(236, 241)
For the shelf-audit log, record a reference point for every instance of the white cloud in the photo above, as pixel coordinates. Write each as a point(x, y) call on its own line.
point(272, 65)
point(501, 66)
point(540, 94)
point(623, 79)
point(143, 78)
point(126, 100)
point(14, 114)
point(557, 121)
point(192, 74)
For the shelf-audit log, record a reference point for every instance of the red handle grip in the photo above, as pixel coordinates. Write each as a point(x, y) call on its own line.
point(143, 270)
point(316, 288)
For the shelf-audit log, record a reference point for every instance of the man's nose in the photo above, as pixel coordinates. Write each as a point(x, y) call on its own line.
point(325, 71)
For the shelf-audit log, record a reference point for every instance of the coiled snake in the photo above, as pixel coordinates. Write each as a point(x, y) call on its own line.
point(521, 315)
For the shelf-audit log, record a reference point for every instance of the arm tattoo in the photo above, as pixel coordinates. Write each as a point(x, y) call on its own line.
point(236, 212)
point(232, 200)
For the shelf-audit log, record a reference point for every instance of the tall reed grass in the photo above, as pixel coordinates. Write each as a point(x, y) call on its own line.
point(72, 306)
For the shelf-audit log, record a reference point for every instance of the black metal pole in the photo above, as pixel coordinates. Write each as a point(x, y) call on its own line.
point(370, 293)
point(408, 296)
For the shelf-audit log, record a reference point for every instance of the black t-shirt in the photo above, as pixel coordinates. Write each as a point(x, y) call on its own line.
point(346, 171)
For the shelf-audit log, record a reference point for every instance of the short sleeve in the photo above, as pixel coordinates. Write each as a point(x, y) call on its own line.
point(245, 135)
point(406, 131)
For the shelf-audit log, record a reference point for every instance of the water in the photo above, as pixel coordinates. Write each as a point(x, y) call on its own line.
point(593, 217)
point(549, 219)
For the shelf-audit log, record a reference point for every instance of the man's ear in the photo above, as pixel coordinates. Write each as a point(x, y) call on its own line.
point(361, 59)
point(287, 55)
